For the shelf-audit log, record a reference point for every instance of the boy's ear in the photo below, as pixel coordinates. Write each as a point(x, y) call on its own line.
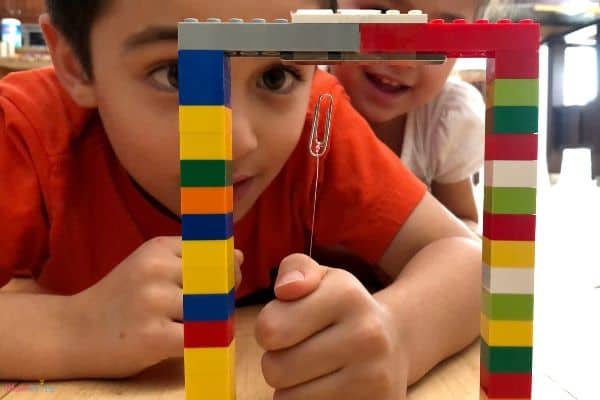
point(68, 68)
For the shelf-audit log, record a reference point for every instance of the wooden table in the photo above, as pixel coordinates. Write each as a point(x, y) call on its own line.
point(566, 334)
point(457, 378)
point(14, 64)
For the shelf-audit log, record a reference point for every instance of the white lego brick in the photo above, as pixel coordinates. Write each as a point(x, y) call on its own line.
point(515, 174)
point(508, 280)
point(359, 16)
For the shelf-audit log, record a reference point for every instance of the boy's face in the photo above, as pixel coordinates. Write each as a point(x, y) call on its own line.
point(384, 92)
point(134, 53)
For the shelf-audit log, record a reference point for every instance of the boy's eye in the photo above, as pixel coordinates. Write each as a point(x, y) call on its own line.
point(166, 77)
point(278, 79)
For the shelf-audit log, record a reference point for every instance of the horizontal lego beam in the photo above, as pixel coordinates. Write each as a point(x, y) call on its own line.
point(459, 39)
point(264, 36)
point(344, 16)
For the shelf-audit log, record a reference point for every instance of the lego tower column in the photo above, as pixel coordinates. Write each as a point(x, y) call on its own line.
point(207, 224)
point(509, 225)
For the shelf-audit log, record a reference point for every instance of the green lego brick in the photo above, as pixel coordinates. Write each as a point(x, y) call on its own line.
point(205, 173)
point(507, 307)
point(510, 200)
point(506, 359)
point(516, 92)
point(513, 120)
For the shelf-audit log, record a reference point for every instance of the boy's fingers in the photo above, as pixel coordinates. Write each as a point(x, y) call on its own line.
point(238, 261)
point(238, 257)
point(298, 276)
point(172, 244)
point(174, 340)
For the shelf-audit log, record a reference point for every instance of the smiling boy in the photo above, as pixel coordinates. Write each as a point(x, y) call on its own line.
point(89, 173)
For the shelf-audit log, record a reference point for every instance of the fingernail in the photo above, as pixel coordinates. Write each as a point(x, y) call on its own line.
point(290, 277)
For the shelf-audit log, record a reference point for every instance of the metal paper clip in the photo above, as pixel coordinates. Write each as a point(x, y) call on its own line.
point(317, 147)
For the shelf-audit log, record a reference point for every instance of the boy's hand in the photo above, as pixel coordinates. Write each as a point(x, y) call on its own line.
point(131, 319)
point(133, 316)
point(326, 337)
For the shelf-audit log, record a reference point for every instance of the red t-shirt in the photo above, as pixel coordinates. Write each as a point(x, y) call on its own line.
point(70, 212)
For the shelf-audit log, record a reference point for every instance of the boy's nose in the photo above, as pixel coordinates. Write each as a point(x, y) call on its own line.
point(244, 139)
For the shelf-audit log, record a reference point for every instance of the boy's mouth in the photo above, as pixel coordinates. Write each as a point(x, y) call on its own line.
point(241, 185)
point(386, 84)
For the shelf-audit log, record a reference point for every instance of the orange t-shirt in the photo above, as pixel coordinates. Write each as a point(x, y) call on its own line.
point(71, 213)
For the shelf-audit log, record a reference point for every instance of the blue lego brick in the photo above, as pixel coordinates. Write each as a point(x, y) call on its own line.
point(208, 307)
point(204, 78)
point(207, 226)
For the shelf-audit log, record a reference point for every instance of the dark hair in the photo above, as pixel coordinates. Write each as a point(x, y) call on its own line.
point(331, 4)
point(74, 19)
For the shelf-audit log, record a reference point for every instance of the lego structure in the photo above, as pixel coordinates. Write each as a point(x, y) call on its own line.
point(323, 36)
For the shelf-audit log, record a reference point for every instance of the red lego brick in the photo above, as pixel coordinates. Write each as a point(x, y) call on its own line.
point(509, 227)
point(508, 64)
point(459, 39)
point(516, 147)
point(505, 386)
point(208, 333)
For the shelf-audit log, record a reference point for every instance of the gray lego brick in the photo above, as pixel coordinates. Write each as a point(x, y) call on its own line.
point(269, 37)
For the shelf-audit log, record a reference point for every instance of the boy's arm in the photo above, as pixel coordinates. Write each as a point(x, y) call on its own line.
point(128, 321)
point(435, 298)
point(458, 197)
point(41, 337)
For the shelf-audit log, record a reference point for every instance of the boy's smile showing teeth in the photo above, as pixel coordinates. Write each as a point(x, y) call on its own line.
point(385, 83)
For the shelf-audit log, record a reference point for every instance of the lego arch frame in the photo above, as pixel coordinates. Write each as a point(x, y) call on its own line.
point(510, 171)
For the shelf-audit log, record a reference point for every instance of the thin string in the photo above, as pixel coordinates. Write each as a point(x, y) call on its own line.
point(314, 213)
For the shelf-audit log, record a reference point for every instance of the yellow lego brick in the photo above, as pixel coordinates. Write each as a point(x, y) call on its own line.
point(205, 133)
point(508, 254)
point(212, 146)
point(506, 333)
point(200, 120)
point(210, 373)
point(208, 266)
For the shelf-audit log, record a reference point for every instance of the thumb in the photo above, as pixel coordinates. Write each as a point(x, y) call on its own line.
point(298, 276)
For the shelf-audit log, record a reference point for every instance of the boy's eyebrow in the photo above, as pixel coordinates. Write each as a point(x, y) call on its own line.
point(149, 35)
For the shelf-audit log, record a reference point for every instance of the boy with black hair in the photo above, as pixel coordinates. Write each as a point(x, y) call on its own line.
point(89, 172)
